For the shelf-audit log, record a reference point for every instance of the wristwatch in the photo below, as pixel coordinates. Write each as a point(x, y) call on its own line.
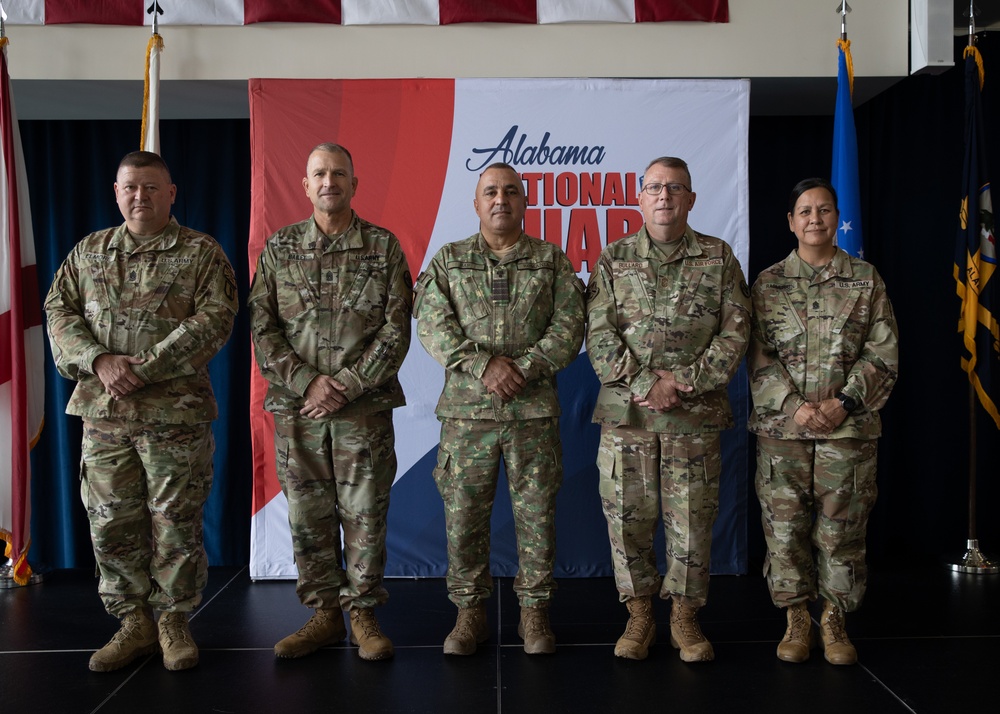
point(848, 403)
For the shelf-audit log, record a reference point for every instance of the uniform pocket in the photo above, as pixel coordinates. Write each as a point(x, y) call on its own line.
point(864, 494)
point(609, 469)
point(475, 304)
point(368, 289)
point(641, 294)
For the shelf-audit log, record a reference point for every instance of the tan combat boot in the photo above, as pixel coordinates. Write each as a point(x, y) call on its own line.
point(798, 639)
point(470, 631)
point(640, 630)
point(325, 627)
point(534, 629)
point(136, 637)
point(372, 644)
point(179, 649)
point(836, 647)
point(686, 635)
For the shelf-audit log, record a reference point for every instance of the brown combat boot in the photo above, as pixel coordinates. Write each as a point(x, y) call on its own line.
point(534, 629)
point(372, 644)
point(640, 630)
point(798, 639)
point(179, 649)
point(686, 635)
point(136, 637)
point(470, 631)
point(836, 647)
point(325, 627)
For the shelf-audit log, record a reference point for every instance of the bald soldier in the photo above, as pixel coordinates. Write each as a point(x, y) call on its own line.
point(502, 312)
point(330, 316)
point(134, 314)
point(668, 323)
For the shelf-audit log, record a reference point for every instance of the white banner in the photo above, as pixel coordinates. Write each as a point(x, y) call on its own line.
point(581, 147)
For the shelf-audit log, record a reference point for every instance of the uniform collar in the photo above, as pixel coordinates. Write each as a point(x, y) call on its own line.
point(522, 248)
point(350, 239)
point(839, 266)
point(167, 238)
point(687, 247)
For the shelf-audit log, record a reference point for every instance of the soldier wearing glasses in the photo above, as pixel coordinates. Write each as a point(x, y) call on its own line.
point(668, 323)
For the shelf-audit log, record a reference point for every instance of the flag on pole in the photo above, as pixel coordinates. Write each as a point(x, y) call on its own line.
point(151, 96)
point(844, 175)
point(976, 252)
point(22, 380)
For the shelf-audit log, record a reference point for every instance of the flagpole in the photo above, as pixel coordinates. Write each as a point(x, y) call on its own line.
point(973, 561)
point(150, 130)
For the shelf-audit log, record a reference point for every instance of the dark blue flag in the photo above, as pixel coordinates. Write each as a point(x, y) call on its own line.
point(975, 253)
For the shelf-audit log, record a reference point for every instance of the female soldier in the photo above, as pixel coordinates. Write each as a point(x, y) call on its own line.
point(823, 359)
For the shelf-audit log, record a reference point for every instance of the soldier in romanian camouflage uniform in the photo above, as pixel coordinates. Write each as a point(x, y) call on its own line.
point(135, 313)
point(823, 360)
point(502, 312)
point(330, 307)
point(668, 323)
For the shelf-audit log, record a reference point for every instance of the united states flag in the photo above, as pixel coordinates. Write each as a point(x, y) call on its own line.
point(362, 12)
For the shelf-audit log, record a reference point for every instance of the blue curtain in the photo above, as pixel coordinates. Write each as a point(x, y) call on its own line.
point(71, 168)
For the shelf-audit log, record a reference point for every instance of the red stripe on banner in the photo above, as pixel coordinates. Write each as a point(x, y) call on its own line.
point(14, 337)
point(105, 12)
point(327, 11)
point(422, 147)
point(455, 11)
point(681, 10)
point(401, 153)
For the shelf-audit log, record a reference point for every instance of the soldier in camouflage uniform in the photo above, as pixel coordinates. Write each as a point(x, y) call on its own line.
point(330, 316)
point(502, 312)
point(668, 323)
point(135, 313)
point(823, 360)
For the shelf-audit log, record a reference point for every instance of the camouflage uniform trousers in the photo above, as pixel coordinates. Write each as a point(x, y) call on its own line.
point(645, 475)
point(815, 496)
point(144, 487)
point(336, 474)
point(467, 470)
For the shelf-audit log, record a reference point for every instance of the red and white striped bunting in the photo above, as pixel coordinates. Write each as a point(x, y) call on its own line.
point(362, 12)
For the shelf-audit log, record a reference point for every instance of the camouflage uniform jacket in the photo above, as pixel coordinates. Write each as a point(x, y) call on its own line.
point(338, 306)
point(471, 307)
point(817, 334)
point(681, 306)
point(170, 300)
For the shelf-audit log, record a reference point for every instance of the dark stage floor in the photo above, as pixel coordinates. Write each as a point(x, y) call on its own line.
point(928, 641)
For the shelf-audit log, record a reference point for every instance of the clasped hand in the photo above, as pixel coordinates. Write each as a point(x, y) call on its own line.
point(821, 417)
point(115, 373)
point(665, 393)
point(324, 396)
point(503, 378)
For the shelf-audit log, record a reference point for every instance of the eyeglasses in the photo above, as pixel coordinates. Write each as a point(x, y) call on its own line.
point(674, 189)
